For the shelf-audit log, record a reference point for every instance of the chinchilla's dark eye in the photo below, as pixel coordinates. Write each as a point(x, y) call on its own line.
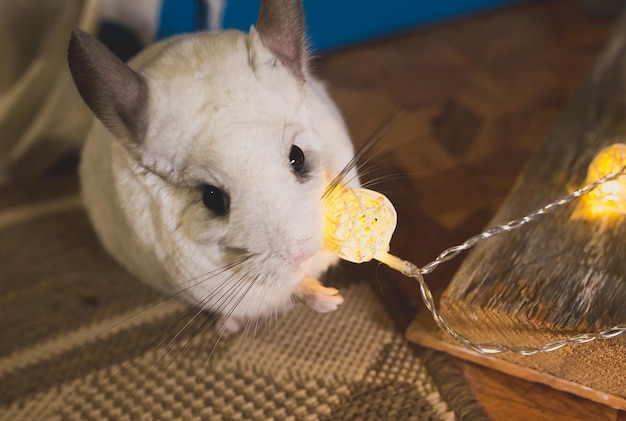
point(215, 200)
point(296, 159)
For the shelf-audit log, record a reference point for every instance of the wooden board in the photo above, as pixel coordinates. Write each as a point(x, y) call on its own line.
point(561, 275)
point(424, 333)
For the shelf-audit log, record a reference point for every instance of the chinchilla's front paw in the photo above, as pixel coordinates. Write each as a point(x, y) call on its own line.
point(320, 298)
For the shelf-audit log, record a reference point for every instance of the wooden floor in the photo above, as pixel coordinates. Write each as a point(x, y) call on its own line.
point(480, 93)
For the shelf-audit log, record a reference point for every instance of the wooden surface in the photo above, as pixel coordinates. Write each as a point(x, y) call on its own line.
point(424, 333)
point(481, 94)
point(560, 275)
point(513, 399)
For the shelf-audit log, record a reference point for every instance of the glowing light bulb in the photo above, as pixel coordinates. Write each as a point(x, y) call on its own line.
point(359, 224)
point(609, 197)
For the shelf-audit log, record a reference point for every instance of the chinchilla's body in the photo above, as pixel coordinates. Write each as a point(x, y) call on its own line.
point(205, 170)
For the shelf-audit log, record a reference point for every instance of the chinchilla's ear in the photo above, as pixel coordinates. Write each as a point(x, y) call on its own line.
point(281, 28)
point(115, 93)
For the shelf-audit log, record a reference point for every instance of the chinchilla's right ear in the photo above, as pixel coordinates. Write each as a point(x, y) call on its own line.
point(115, 93)
point(281, 28)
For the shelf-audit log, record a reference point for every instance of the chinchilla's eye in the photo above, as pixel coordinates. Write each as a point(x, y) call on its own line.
point(215, 200)
point(296, 159)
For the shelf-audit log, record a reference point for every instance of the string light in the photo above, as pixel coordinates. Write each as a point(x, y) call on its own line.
point(610, 197)
point(361, 222)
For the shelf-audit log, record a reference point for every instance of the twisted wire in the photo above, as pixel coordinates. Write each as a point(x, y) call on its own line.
point(417, 273)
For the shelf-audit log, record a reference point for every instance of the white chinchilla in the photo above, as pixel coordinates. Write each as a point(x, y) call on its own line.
point(205, 170)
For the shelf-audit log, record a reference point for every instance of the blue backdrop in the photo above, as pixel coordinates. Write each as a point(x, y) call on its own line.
point(332, 23)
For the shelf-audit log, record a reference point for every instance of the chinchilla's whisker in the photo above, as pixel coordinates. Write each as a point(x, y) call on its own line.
point(231, 293)
point(239, 297)
point(210, 275)
point(385, 179)
point(254, 325)
point(200, 279)
point(219, 290)
point(374, 169)
point(257, 319)
point(165, 354)
point(188, 318)
point(184, 318)
point(192, 315)
point(201, 323)
point(134, 358)
point(206, 322)
point(386, 152)
point(223, 289)
point(220, 327)
point(374, 138)
point(243, 287)
point(272, 319)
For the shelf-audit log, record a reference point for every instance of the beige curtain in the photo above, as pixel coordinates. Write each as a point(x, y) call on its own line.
point(41, 113)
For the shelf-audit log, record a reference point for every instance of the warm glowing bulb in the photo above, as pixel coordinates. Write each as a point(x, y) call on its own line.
point(359, 224)
point(609, 197)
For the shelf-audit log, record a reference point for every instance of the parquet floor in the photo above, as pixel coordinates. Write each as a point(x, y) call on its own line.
point(480, 94)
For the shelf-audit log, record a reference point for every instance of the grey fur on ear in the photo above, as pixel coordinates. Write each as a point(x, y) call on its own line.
point(115, 93)
point(281, 28)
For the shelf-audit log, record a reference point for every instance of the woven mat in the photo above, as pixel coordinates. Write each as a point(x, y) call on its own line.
point(82, 339)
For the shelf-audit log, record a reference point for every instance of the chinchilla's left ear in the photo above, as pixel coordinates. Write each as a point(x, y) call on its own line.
point(281, 28)
point(115, 93)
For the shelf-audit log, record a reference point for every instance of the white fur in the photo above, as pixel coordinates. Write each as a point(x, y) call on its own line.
point(222, 111)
